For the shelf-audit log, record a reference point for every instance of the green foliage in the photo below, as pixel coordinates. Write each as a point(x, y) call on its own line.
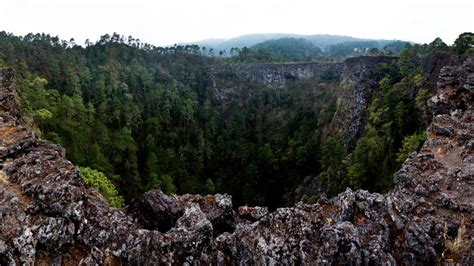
point(369, 152)
point(106, 188)
point(209, 186)
point(42, 115)
point(145, 117)
point(166, 184)
point(252, 55)
point(299, 49)
point(358, 48)
point(357, 175)
point(421, 100)
point(437, 46)
point(464, 44)
point(375, 156)
point(410, 144)
point(289, 49)
point(408, 62)
point(332, 154)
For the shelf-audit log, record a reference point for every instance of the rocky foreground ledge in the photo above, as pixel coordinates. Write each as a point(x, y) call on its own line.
point(48, 215)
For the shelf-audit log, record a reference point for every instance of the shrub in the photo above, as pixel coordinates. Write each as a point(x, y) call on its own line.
point(102, 183)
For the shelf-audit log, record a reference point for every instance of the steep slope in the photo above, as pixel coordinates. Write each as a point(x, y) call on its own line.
point(49, 215)
point(354, 81)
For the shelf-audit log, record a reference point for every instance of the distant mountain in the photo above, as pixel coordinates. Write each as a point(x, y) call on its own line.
point(241, 41)
point(323, 41)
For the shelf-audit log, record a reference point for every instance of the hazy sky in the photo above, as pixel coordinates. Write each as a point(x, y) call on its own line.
point(173, 21)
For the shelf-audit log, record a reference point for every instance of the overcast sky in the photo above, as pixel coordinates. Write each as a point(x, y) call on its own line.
point(173, 21)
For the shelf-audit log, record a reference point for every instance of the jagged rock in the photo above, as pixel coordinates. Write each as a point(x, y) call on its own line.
point(252, 213)
point(156, 210)
point(48, 215)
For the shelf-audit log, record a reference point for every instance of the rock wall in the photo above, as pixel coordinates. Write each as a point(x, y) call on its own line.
point(357, 85)
point(354, 79)
point(48, 215)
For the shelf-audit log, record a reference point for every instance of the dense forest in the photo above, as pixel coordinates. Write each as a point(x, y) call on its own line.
point(290, 49)
point(137, 117)
point(303, 50)
point(298, 47)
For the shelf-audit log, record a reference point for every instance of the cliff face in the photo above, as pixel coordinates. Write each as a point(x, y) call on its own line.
point(353, 81)
point(357, 84)
point(49, 215)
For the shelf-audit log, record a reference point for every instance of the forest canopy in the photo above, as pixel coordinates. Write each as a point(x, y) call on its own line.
point(138, 117)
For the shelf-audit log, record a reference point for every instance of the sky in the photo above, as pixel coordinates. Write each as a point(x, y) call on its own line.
point(177, 21)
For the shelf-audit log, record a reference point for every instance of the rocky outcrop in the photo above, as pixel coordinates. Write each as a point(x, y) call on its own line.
point(358, 83)
point(48, 215)
point(227, 79)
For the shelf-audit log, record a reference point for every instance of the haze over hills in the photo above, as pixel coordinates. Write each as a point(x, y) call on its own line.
point(323, 41)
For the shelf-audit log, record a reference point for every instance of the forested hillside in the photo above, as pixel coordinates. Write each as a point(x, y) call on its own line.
point(147, 117)
point(291, 49)
point(303, 50)
point(328, 44)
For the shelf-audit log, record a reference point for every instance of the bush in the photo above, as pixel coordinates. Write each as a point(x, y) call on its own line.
point(410, 144)
point(102, 183)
